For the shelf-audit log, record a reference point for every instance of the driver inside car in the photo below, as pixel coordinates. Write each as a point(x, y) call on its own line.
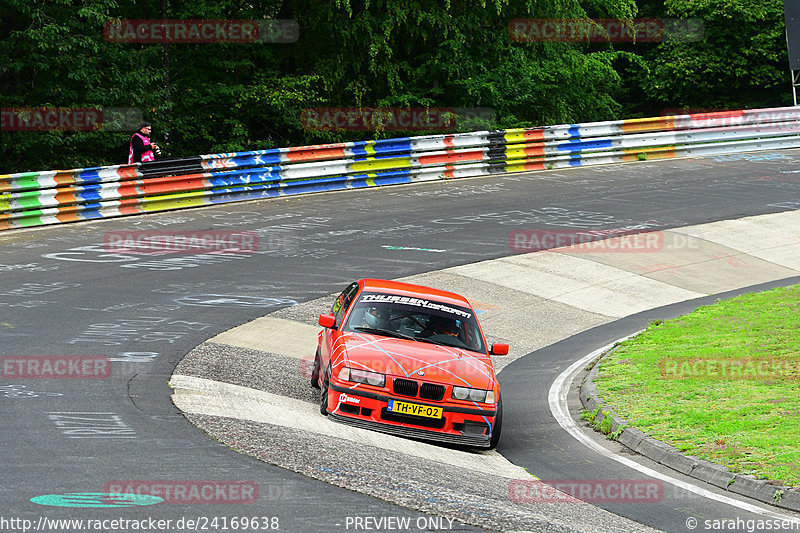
point(378, 318)
point(444, 326)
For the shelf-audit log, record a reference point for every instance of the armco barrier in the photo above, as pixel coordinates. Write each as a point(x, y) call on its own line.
point(51, 197)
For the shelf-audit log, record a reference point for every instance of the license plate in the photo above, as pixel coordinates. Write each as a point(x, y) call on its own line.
point(404, 408)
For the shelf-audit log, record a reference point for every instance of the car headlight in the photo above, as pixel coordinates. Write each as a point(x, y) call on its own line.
point(362, 376)
point(475, 395)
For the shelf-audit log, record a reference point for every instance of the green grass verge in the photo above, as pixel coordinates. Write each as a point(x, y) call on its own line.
point(721, 383)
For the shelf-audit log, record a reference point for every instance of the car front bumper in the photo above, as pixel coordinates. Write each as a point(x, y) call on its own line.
point(458, 425)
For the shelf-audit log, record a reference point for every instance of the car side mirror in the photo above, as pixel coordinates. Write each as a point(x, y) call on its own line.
point(499, 348)
point(327, 321)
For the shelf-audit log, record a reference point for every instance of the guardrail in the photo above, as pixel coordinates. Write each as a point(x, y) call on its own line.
point(52, 197)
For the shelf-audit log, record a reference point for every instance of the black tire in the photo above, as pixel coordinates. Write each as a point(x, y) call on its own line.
point(498, 424)
point(323, 393)
point(315, 371)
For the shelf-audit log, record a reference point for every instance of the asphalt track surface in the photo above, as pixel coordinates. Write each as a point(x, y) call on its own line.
point(62, 293)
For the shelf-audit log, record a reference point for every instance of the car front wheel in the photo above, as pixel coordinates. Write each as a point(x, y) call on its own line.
point(498, 424)
point(323, 393)
point(315, 371)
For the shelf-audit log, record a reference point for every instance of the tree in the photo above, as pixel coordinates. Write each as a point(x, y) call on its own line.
point(53, 54)
point(740, 61)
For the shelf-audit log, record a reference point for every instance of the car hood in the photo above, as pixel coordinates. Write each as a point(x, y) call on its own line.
point(405, 358)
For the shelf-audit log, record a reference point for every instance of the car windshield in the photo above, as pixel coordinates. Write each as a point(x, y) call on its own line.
point(419, 319)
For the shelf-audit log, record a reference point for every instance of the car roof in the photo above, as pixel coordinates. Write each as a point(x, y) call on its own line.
point(409, 289)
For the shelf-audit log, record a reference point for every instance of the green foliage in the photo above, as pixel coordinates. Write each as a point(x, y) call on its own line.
point(204, 98)
point(53, 54)
point(719, 383)
point(740, 62)
point(599, 420)
point(614, 435)
point(606, 423)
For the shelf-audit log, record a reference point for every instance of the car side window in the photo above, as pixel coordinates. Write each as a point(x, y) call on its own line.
point(343, 302)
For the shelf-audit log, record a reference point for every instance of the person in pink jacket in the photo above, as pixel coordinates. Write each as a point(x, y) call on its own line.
point(141, 149)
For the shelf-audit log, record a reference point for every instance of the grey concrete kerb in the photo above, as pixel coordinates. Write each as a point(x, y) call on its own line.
point(745, 485)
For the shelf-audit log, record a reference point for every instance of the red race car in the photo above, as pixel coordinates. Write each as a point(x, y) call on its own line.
point(411, 361)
